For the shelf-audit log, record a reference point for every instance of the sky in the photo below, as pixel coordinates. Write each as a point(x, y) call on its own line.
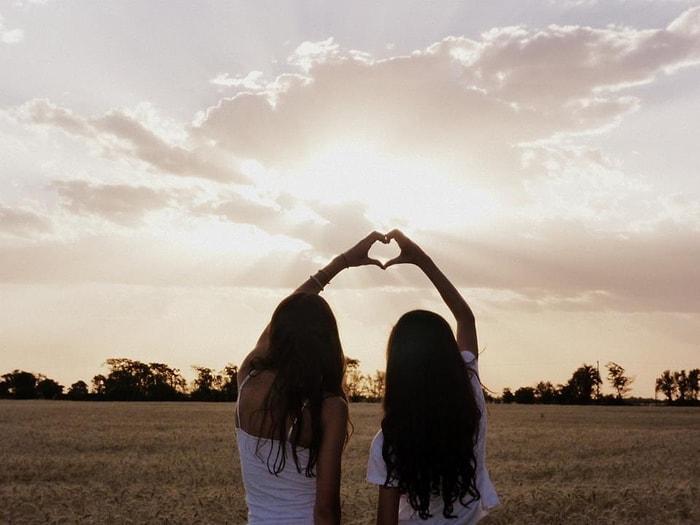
point(170, 170)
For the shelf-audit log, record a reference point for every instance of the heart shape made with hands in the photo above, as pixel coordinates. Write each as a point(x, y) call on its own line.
point(384, 252)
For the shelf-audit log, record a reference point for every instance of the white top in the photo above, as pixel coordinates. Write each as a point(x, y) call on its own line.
point(287, 498)
point(376, 471)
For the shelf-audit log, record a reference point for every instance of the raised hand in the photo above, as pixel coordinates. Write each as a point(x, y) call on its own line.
point(358, 255)
point(410, 253)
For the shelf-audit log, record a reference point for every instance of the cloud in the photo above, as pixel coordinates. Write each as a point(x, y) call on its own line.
point(120, 135)
point(465, 100)
point(21, 222)
point(118, 203)
point(252, 81)
point(553, 67)
point(235, 208)
point(10, 36)
point(562, 263)
point(328, 229)
point(472, 103)
point(507, 113)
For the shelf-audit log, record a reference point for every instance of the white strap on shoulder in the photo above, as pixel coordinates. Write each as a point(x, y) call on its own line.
point(238, 403)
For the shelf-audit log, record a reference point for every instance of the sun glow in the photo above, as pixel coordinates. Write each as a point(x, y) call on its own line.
point(410, 190)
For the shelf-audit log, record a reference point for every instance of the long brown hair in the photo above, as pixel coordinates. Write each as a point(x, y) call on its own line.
point(307, 356)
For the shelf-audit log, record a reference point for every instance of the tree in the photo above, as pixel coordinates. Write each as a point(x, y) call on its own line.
point(210, 386)
point(164, 383)
point(525, 395)
point(583, 386)
point(679, 387)
point(26, 385)
point(6, 386)
point(507, 396)
point(361, 387)
point(688, 385)
point(78, 391)
point(619, 381)
point(354, 379)
point(22, 385)
point(682, 385)
point(204, 388)
point(545, 393)
point(229, 385)
point(375, 386)
point(694, 383)
point(49, 389)
point(99, 386)
point(666, 384)
point(130, 380)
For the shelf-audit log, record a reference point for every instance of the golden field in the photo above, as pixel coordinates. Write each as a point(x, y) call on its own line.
point(100, 462)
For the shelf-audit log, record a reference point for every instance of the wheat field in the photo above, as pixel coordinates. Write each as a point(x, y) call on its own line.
point(86, 462)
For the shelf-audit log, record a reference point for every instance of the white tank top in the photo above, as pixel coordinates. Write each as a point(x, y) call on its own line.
point(283, 499)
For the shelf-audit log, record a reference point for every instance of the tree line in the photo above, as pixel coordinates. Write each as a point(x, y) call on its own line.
point(583, 388)
point(132, 380)
point(128, 380)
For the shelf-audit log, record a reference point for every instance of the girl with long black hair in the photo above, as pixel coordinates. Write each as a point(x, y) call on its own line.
point(428, 457)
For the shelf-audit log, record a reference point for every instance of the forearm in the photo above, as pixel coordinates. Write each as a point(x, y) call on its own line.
point(466, 322)
point(453, 299)
point(316, 282)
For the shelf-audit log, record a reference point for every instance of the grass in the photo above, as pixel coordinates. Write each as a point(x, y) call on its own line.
point(73, 462)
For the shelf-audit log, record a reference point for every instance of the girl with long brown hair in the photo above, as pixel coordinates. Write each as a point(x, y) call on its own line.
point(292, 412)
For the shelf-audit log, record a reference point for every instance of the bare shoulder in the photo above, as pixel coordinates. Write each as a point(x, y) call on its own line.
point(334, 408)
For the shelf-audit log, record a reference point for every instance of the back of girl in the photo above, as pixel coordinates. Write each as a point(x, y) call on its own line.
point(429, 457)
point(292, 412)
point(284, 398)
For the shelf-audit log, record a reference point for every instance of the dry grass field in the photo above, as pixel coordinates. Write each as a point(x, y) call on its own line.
point(73, 462)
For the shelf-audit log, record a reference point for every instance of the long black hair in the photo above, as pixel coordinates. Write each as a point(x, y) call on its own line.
point(309, 364)
point(431, 419)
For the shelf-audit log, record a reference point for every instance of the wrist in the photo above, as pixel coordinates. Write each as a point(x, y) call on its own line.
point(341, 261)
point(323, 276)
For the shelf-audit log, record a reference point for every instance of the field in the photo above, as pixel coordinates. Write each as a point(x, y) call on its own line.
point(75, 462)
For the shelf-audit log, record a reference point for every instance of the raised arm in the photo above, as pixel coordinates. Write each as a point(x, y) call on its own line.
point(358, 255)
point(411, 253)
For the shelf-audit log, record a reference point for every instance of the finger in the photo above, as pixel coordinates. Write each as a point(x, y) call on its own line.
point(378, 236)
point(395, 234)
